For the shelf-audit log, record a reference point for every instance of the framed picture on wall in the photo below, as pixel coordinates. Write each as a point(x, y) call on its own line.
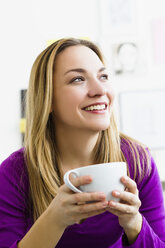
point(125, 58)
point(118, 17)
point(142, 116)
point(128, 58)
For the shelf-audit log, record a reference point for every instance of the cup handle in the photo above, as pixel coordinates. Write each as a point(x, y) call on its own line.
point(68, 182)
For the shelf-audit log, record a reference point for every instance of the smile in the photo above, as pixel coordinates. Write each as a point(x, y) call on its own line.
point(96, 107)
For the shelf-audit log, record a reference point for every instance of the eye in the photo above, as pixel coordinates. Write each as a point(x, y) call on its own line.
point(104, 77)
point(77, 79)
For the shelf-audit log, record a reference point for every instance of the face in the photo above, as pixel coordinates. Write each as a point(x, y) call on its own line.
point(82, 95)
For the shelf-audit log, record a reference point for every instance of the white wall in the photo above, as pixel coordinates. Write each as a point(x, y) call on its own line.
point(25, 28)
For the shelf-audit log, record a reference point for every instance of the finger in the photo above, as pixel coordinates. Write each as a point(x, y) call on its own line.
point(77, 182)
point(129, 184)
point(87, 197)
point(91, 207)
point(89, 214)
point(82, 180)
point(116, 212)
point(121, 208)
point(66, 189)
point(128, 197)
point(93, 213)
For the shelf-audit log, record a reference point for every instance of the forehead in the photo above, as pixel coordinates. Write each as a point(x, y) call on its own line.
point(77, 56)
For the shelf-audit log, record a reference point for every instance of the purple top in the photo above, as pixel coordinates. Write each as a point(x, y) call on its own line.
point(101, 231)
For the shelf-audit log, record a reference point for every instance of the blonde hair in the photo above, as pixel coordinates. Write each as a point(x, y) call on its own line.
point(41, 152)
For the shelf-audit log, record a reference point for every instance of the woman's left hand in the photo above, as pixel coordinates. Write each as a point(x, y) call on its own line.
point(127, 209)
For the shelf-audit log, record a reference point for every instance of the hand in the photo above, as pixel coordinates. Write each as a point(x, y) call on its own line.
point(69, 207)
point(127, 209)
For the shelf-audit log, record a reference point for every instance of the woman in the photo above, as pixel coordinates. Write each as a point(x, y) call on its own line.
point(70, 123)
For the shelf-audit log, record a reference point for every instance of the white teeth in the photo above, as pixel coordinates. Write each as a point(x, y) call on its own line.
point(96, 107)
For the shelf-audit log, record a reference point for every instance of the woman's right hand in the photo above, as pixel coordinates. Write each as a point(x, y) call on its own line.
point(69, 207)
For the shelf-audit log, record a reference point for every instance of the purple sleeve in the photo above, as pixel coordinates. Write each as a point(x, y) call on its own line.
point(147, 238)
point(153, 211)
point(14, 214)
point(15, 244)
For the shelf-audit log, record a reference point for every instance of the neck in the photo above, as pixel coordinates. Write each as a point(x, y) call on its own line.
point(76, 148)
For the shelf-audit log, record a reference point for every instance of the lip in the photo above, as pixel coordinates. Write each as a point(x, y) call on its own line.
point(96, 103)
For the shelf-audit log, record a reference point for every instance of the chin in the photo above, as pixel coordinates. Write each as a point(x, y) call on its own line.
point(101, 128)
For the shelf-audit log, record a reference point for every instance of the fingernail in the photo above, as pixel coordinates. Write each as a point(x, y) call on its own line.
point(112, 203)
point(117, 193)
point(88, 179)
point(124, 179)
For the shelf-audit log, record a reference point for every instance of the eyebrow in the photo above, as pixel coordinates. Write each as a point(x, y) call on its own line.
point(81, 70)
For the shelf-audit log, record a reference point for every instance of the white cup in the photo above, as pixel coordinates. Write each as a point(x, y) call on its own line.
point(105, 178)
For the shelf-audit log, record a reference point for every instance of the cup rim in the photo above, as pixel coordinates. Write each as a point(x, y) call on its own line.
point(113, 164)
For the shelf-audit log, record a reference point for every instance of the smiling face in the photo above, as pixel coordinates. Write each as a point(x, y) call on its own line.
point(82, 96)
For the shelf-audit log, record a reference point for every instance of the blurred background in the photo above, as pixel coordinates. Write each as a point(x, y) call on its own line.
point(131, 34)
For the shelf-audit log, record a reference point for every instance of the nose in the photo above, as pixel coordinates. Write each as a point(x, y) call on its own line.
point(96, 88)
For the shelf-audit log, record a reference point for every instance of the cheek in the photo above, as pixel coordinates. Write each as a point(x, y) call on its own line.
point(72, 100)
point(67, 100)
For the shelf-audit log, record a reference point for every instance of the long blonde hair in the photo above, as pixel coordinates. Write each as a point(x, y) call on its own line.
point(41, 152)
